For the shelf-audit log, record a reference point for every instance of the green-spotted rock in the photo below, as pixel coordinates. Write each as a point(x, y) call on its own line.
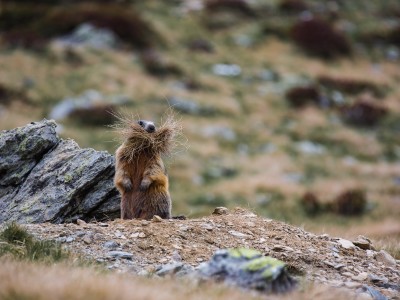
point(46, 179)
point(249, 269)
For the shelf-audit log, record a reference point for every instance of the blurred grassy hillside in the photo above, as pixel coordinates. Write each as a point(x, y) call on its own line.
point(277, 98)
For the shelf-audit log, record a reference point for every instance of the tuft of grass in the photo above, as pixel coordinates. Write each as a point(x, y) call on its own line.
point(15, 241)
point(392, 246)
point(15, 234)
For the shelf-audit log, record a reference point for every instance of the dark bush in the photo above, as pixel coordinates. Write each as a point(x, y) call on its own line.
point(319, 38)
point(293, 6)
point(302, 95)
point(240, 6)
point(96, 115)
point(156, 65)
point(363, 113)
point(122, 20)
point(277, 26)
point(8, 94)
point(192, 84)
point(310, 204)
point(351, 202)
point(201, 45)
point(29, 24)
point(351, 86)
point(379, 34)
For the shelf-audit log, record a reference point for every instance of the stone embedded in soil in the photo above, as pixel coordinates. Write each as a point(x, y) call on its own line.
point(346, 244)
point(376, 295)
point(87, 239)
point(385, 258)
point(249, 269)
point(175, 268)
point(352, 284)
point(238, 234)
point(120, 254)
point(360, 277)
point(80, 222)
point(363, 243)
point(220, 211)
point(111, 245)
point(157, 218)
point(46, 179)
point(280, 248)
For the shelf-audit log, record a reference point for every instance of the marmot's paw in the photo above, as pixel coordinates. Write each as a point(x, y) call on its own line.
point(144, 185)
point(127, 185)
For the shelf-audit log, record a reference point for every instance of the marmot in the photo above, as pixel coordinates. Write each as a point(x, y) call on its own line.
point(140, 174)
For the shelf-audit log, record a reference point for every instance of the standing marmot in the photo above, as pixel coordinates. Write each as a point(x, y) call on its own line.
point(140, 175)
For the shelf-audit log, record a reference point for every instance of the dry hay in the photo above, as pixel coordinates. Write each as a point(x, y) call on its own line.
point(165, 141)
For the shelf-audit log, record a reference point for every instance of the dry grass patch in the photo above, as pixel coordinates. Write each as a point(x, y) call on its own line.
point(19, 280)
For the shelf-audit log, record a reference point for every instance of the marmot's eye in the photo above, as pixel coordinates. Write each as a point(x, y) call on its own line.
point(140, 123)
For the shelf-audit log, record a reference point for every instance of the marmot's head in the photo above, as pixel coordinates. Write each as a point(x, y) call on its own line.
point(141, 136)
point(147, 125)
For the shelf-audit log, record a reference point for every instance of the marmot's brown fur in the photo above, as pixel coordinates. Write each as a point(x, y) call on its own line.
point(140, 175)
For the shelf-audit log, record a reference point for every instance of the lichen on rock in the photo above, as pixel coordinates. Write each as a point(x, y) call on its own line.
point(248, 269)
point(46, 179)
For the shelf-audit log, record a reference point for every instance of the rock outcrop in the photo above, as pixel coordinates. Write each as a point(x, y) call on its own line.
point(47, 179)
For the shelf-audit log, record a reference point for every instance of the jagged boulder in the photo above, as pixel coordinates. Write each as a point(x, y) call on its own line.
point(47, 179)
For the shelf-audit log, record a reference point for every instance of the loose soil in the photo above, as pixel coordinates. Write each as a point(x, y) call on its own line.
point(316, 258)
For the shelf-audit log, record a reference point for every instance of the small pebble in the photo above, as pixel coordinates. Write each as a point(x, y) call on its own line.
point(220, 211)
point(156, 219)
point(111, 245)
point(80, 222)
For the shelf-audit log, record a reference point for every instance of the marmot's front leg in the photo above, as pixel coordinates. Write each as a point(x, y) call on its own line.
point(121, 178)
point(153, 174)
point(123, 182)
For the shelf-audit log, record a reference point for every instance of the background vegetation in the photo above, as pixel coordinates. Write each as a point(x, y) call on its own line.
point(290, 107)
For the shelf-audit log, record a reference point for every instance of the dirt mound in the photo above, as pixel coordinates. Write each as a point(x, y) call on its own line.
point(138, 246)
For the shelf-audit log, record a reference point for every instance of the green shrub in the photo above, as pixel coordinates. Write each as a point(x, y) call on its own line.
point(18, 243)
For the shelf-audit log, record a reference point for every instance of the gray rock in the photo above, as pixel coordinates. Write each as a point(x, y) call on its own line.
point(375, 294)
point(69, 239)
point(238, 234)
point(21, 148)
point(363, 243)
point(111, 245)
point(120, 254)
point(46, 179)
point(309, 147)
point(377, 279)
point(385, 258)
point(248, 269)
point(190, 107)
point(90, 36)
point(228, 70)
point(90, 100)
point(177, 269)
point(346, 244)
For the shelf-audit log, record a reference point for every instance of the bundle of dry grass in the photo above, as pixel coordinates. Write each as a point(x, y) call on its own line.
point(164, 141)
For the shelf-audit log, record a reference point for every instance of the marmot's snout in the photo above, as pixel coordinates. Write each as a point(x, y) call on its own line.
point(147, 125)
